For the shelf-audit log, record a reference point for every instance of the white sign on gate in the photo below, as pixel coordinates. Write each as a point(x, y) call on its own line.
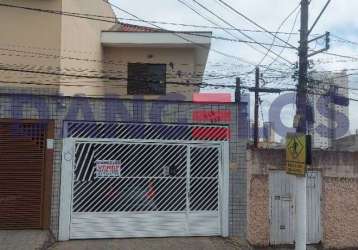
point(107, 169)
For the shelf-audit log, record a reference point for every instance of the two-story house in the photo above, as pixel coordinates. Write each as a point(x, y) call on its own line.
point(104, 133)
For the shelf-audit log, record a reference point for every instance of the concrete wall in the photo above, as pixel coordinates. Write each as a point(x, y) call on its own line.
point(30, 106)
point(339, 195)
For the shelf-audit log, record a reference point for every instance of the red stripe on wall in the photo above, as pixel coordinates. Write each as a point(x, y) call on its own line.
point(212, 97)
point(211, 116)
point(202, 133)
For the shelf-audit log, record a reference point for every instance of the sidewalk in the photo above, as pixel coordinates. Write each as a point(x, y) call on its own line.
point(24, 239)
point(187, 243)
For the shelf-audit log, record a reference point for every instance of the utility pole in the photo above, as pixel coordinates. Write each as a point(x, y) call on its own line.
point(301, 181)
point(257, 90)
point(256, 115)
point(238, 90)
point(301, 117)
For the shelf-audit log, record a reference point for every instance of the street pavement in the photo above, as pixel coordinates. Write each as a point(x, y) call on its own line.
point(42, 240)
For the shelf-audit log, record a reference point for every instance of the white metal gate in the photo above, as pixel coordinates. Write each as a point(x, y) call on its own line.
point(132, 188)
point(282, 207)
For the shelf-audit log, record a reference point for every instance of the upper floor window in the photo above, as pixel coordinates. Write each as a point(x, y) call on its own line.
point(146, 79)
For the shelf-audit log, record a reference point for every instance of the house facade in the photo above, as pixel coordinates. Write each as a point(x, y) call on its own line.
point(104, 132)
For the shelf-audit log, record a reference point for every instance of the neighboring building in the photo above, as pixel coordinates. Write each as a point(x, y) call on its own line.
point(266, 133)
point(329, 102)
point(347, 143)
point(98, 136)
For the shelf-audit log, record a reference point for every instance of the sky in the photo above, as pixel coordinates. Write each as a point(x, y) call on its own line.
point(339, 19)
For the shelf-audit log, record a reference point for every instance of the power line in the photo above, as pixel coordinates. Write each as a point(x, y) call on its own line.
point(78, 14)
point(188, 40)
point(278, 29)
point(253, 22)
point(111, 62)
point(339, 55)
point(214, 23)
point(211, 76)
point(182, 74)
point(72, 14)
point(340, 39)
point(111, 78)
point(247, 36)
point(222, 53)
point(41, 55)
point(179, 32)
point(269, 90)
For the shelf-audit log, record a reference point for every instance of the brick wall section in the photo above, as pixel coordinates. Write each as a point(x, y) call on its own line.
point(53, 107)
point(340, 213)
point(339, 195)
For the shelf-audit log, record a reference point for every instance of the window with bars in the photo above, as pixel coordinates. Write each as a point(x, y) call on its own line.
point(146, 79)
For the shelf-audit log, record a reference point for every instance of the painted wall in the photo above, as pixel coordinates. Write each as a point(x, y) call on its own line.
point(81, 39)
point(68, 45)
point(26, 38)
point(339, 195)
point(180, 68)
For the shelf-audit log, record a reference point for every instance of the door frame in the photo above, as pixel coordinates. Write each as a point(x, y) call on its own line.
point(67, 172)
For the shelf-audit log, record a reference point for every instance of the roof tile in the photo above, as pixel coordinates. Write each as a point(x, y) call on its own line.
point(126, 27)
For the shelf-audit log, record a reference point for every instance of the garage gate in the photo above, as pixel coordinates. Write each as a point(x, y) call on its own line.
point(24, 178)
point(144, 187)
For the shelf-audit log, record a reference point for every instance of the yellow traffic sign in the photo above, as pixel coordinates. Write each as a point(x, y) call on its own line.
point(296, 154)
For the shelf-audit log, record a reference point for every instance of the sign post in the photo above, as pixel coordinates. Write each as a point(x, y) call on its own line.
point(298, 155)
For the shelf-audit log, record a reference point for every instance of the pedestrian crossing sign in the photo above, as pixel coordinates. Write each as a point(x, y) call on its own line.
point(296, 154)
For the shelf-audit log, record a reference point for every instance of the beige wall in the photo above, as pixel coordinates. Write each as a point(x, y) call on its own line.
point(339, 195)
point(30, 34)
point(81, 38)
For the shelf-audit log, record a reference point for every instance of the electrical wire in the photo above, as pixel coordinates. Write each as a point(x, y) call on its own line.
point(288, 39)
point(222, 53)
point(253, 22)
point(77, 14)
point(104, 77)
point(86, 16)
point(247, 36)
point(214, 23)
point(279, 28)
point(340, 39)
